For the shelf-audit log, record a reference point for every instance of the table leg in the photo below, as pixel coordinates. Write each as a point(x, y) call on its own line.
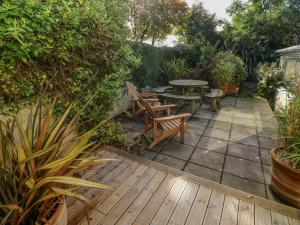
point(193, 106)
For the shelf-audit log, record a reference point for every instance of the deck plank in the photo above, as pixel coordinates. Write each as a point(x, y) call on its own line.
point(262, 216)
point(109, 203)
point(246, 213)
point(293, 221)
point(184, 205)
point(113, 178)
point(116, 212)
point(137, 206)
point(197, 213)
point(157, 199)
point(230, 211)
point(93, 219)
point(164, 213)
point(279, 219)
point(214, 209)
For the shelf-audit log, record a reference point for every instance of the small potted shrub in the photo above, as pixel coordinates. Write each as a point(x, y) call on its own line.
point(228, 73)
point(285, 174)
point(39, 159)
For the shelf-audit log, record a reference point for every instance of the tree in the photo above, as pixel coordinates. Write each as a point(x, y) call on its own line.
point(155, 19)
point(260, 27)
point(200, 26)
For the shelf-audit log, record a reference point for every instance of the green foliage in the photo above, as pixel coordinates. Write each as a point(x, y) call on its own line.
point(150, 72)
point(289, 132)
point(78, 50)
point(39, 157)
point(155, 19)
point(200, 26)
point(261, 27)
point(228, 69)
point(175, 68)
point(270, 79)
point(111, 133)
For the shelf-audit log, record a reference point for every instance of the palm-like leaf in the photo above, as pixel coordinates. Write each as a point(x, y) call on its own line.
point(38, 159)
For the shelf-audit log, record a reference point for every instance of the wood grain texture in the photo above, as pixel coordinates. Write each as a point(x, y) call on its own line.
point(262, 216)
point(246, 213)
point(196, 215)
point(165, 211)
point(184, 205)
point(230, 211)
point(279, 219)
point(214, 209)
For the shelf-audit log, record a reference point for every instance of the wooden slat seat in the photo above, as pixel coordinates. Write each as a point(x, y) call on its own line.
point(192, 98)
point(164, 127)
point(214, 98)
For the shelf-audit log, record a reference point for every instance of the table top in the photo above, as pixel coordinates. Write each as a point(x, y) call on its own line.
point(188, 83)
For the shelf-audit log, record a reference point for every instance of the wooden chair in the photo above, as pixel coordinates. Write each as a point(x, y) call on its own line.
point(164, 127)
point(138, 108)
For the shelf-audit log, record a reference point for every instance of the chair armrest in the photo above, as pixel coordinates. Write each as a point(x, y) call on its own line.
point(151, 99)
point(148, 94)
point(163, 107)
point(185, 115)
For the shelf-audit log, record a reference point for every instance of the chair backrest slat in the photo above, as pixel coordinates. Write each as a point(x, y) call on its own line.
point(148, 107)
point(132, 90)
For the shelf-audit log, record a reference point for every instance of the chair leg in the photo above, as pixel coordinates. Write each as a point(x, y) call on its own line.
point(182, 131)
point(214, 105)
point(155, 136)
point(133, 108)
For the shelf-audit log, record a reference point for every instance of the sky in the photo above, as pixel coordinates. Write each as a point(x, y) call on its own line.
point(213, 6)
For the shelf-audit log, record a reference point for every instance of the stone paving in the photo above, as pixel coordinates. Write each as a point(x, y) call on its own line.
point(231, 146)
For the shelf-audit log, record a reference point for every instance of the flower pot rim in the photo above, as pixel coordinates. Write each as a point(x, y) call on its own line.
point(58, 211)
point(282, 163)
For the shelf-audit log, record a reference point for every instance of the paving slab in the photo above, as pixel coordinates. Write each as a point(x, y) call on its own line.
point(208, 159)
point(217, 133)
point(265, 156)
point(213, 144)
point(204, 172)
point(243, 138)
point(178, 150)
point(243, 129)
point(244, 151)
point(219, 125)
point(244, 168)
point(170, 161)
point(267, 143)
point(189, 138)
point(244, 185)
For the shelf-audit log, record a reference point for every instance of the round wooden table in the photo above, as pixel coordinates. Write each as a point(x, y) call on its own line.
point(188, 84)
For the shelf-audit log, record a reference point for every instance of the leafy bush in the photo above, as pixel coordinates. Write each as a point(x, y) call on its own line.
point(39, 157)
point(228, 69)
point(270, 79)
point(77, 49)
point(289, 132)
point(151, 70)
point(111, 133)
point(174, 69)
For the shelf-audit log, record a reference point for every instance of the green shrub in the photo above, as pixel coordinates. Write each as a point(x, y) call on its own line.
point(111, 133)
point(174, 69)
point(78, 50)
point(270, 79)
point(228, 69)
point(289, 132)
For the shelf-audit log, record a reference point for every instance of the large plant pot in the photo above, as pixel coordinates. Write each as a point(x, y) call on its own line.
point(285, 180)
point(230, 89)
point(60, 217)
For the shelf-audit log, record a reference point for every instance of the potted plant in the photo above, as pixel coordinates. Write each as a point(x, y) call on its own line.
point(228, 73)
point(285, 172)
point(39, 160)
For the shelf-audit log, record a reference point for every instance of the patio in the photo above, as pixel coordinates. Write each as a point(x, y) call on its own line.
point(230, 147)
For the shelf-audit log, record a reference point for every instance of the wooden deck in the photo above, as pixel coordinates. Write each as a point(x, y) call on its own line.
point(145, 192)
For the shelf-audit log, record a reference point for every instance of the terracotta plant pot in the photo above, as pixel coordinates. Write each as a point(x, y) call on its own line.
point(230, 89)
point(285, 180)
point(60, 216)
